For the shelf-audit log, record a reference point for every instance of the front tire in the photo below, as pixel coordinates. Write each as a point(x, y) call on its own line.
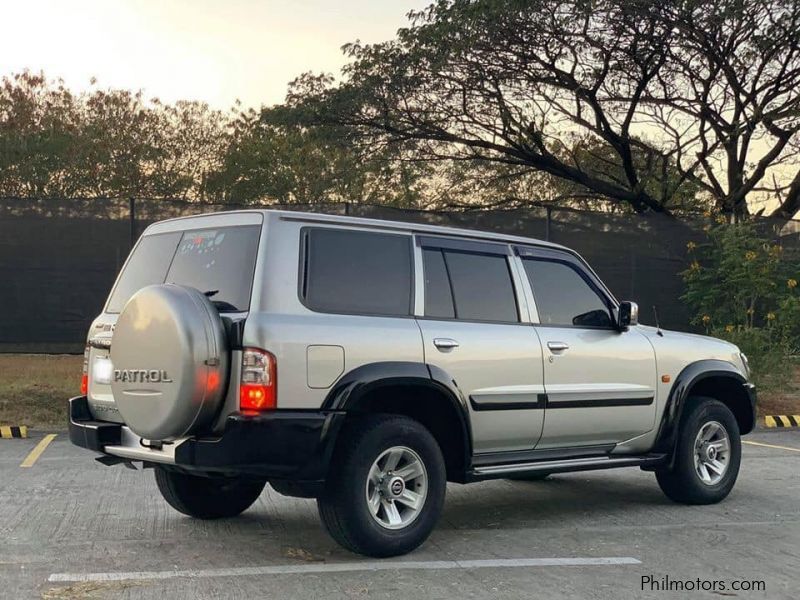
point(386, 492)
point(707, 456)
point(206, 497)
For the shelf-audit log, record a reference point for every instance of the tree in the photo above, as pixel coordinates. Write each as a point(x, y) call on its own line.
point(684, 98)
point(113, 143)
point(272, 157)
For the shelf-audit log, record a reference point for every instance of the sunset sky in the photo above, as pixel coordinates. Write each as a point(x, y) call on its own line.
point(210, 50)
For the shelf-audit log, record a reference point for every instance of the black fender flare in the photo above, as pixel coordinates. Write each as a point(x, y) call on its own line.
point(355, 384)
point(675, 406)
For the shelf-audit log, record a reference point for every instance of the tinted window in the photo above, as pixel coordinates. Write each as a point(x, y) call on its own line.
point(358, 272)
point(147, 266)
point(438, 297)
point(564, 297)
point(482, 288)
point(220, 260)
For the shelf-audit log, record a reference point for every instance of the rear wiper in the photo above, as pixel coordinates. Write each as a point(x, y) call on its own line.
point(220, 305)
point(223, 306)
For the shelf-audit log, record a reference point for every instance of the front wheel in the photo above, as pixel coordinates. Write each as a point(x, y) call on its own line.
point(387, 490)
point(206, 497)
point(707, 455)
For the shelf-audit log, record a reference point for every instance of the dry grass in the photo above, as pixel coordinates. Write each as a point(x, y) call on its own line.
point(34, 389)
point(779, 394)
point(88, 589)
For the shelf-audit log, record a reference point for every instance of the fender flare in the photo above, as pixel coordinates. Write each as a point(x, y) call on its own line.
point(674, 409)
point(354, 385)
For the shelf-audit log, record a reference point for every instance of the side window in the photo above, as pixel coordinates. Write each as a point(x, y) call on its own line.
point(469, 286)
point(438, 296)
point(357, 272)
point(563, 296)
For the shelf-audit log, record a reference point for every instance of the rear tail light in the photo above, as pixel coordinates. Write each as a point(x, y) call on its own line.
point(259, 385)
point(85, 374)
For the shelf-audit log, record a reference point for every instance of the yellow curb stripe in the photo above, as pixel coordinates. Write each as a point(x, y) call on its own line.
point(31, 459)
point(782, 421)
point(771, 446)
point(13, 431)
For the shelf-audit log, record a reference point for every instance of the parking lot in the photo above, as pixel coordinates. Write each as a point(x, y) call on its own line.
point(72, 528)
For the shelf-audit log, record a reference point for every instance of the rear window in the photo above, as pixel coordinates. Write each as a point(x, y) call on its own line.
point(217, 261)
point(357, 272)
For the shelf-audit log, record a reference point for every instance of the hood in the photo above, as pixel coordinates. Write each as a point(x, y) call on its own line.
point(697, 338)
point(690, 347)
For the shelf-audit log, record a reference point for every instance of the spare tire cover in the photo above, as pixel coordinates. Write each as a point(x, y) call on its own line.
point(170, 362)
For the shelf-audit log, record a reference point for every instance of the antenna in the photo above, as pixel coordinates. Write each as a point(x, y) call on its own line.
point(658, 326)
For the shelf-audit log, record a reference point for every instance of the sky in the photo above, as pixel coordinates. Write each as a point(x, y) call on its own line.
point(215, 51)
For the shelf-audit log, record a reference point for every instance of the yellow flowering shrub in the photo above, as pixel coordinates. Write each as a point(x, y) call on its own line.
point(743, 287)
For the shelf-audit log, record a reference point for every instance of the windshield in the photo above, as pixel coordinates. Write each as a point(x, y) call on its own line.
point(218, 262)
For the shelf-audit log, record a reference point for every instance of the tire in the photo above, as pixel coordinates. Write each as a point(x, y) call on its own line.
point(206, 497)
point(684, 482)
point(529, 477)
point(368, 445)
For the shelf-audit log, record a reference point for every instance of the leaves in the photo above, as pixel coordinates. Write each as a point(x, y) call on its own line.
point(687, 102)
point(102, 143)
point(740, 280)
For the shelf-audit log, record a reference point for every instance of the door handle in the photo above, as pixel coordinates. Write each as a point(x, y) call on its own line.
point(445, 343)
point(557, 346)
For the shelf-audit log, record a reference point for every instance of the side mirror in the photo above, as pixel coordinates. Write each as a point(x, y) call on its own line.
point(628, 315)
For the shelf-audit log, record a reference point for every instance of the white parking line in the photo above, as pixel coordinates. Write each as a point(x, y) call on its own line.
point(385, 565)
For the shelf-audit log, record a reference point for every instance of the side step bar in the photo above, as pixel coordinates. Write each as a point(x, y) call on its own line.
point(566, 465)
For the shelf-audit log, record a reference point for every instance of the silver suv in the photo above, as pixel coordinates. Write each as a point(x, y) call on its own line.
point(366, 363)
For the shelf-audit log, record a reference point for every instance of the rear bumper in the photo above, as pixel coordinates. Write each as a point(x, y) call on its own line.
point(292, 445)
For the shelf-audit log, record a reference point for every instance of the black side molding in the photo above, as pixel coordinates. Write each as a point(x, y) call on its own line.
point(544, 401)
point(539, 403)
point(601, 403)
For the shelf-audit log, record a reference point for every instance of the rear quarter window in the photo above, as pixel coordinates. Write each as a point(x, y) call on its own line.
point(357, 272)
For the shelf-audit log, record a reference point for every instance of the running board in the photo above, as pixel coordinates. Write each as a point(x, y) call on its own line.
point(565, 466)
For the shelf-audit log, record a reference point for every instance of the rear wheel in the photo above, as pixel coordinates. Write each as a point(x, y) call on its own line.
point(707, 456)
point(387, 490)
point(206, 497)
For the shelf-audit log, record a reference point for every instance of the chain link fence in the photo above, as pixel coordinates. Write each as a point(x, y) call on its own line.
point(59, 258)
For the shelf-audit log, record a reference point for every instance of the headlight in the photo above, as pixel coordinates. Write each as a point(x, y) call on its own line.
point(745, 363)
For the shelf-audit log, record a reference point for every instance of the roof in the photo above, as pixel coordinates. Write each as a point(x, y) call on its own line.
point(289, 215)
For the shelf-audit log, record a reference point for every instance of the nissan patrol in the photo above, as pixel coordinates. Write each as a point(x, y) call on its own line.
point(366, 363)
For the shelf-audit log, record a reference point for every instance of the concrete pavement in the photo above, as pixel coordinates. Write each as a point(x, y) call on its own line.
point(72, 528)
